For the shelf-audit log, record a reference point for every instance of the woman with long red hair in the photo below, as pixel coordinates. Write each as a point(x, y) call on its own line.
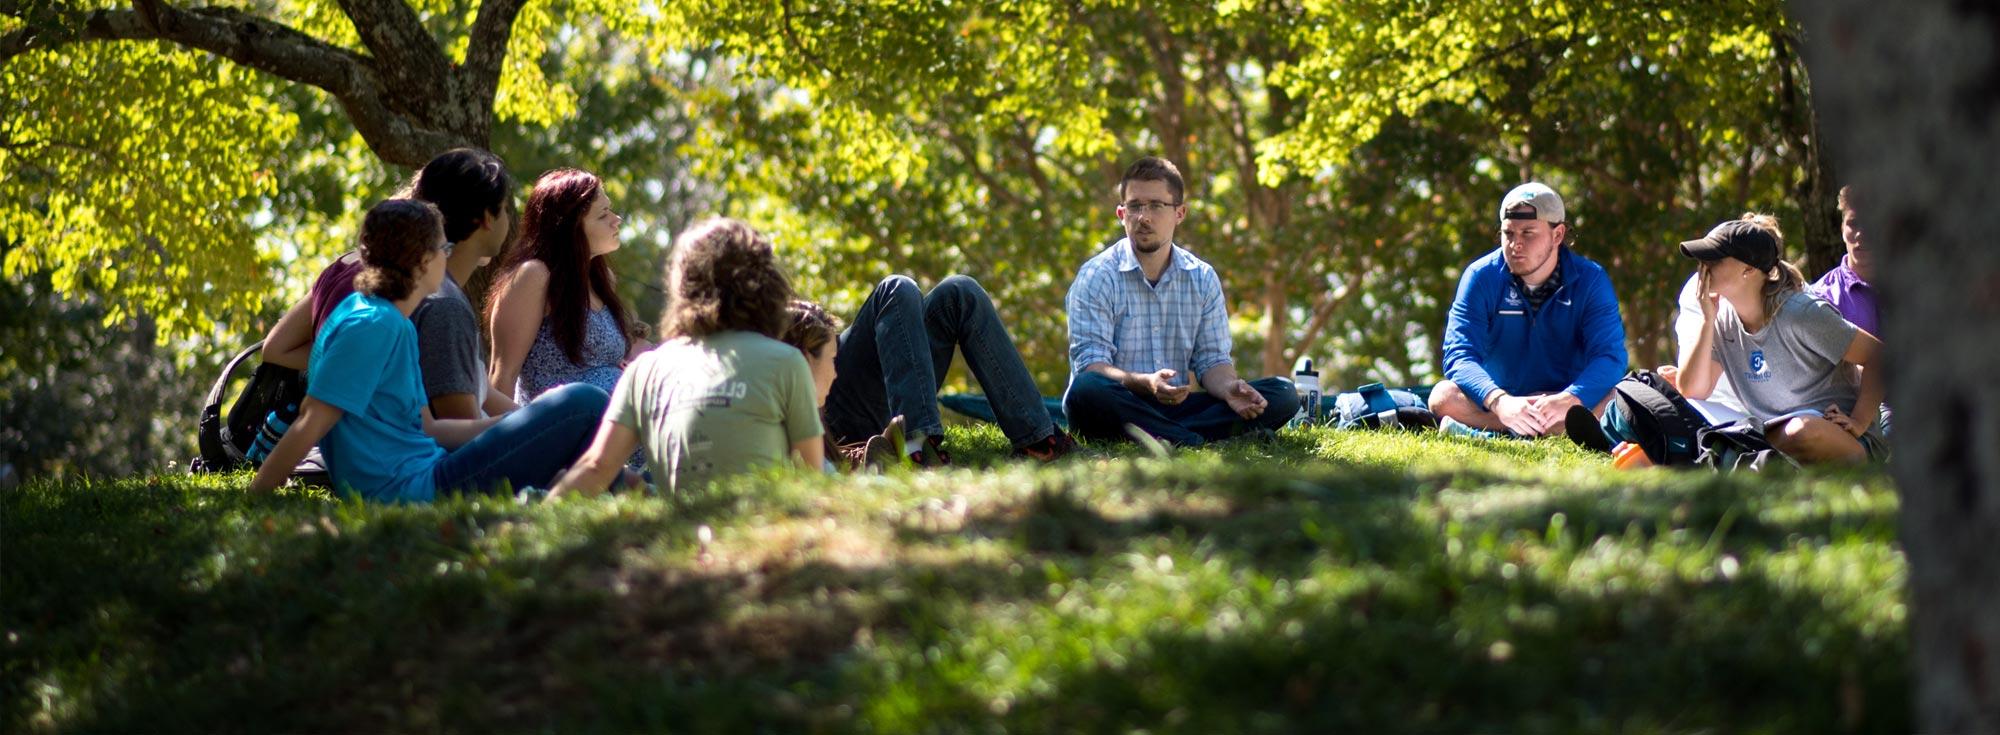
point(555, 317)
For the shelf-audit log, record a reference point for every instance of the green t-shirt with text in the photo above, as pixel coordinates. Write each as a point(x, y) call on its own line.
point(715, 406)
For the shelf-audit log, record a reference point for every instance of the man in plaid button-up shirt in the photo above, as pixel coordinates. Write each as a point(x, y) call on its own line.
point(1146, 320)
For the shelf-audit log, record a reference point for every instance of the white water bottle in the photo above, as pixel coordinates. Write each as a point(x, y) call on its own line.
point(1306, 381)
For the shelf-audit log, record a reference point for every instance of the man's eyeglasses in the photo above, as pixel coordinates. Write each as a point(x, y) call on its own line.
point(1148, 209)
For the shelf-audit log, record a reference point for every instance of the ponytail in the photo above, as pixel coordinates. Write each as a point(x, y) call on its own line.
point(1779, 284)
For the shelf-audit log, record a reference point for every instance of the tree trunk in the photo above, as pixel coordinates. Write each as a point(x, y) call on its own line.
point(1818, 193)
point(1909, 94)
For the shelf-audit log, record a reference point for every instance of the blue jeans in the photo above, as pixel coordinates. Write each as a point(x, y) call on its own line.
point(528, 447)
point(894, 356)
point(1099, 408)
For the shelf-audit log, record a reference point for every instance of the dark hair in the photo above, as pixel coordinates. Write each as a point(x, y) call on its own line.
point(809, 327)
point(396, 236)
point(467, 185)
point(724, 276)
point(1154, 168)
point(552, 232)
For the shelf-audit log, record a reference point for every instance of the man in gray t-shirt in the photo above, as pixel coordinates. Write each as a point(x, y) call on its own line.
point(448, 351)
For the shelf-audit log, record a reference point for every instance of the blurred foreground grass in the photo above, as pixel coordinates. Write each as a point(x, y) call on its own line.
point(1328, 581)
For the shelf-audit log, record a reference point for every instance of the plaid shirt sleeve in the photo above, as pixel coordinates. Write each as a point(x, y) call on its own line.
point(1090, 320)
point(1211, 343)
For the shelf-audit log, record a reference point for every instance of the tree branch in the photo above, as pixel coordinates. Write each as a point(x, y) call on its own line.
point(1328, 304)
point(1024, 146)
point(409, 59)
point(1170, 116)
point(232, 34)
point(966, 151)
point(486, 52)
point(268, 47)
point(19, 42)
point(785, 25)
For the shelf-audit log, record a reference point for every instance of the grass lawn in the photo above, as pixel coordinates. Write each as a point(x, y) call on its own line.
point(1330, 581)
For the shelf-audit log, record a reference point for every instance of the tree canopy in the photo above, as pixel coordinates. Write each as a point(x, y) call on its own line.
point(1343, 158)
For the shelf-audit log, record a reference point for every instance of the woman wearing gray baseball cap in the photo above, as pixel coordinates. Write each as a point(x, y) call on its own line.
point(1787, 352)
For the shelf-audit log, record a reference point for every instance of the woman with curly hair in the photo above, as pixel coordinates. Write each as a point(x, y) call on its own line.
point(555, 317)
point(365, 403)
point(721, 395)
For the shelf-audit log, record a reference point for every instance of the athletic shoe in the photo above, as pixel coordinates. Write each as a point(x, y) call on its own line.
point(1051, 448)
point(1453, 427)
point(1583, 428)
point(879, 452)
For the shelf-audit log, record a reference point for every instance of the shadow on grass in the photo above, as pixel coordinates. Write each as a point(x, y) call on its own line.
point(1473, 654)
point(139, 610)
point(1445, 653)
point(1429, 648)
point(176, 611)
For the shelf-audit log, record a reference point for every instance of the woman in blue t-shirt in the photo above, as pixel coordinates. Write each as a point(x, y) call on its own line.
point(365, 403)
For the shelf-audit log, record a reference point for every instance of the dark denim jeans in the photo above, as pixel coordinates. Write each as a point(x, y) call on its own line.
point(1099, 408)
point(528, 447)
point(894, 356)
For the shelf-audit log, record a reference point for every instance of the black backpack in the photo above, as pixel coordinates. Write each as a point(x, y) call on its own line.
point(1738, 446)
point(223, 438)
point(1662, 422)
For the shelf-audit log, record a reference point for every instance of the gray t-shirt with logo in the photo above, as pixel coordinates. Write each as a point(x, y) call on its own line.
point(715, 406)
point(448, 345)
point(1793, 363)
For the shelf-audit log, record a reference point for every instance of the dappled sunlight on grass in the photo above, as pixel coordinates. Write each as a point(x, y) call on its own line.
point(1324, 580)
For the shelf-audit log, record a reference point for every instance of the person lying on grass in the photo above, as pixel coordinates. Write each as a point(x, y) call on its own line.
point(815, 332)
point(893, 359)
point(365, 403)
point(1788, 353)
point(721, 395)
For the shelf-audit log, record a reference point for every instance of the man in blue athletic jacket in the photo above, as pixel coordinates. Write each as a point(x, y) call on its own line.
point(1534, 329)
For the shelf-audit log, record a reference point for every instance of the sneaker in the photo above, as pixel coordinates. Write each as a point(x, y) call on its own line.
point(879, 452)
point(849, 457)
point(1582, 427)
point(1453, 427)
point(1051, 448)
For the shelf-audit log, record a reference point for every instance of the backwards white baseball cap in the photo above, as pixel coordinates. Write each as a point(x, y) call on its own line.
point(1547, 205)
